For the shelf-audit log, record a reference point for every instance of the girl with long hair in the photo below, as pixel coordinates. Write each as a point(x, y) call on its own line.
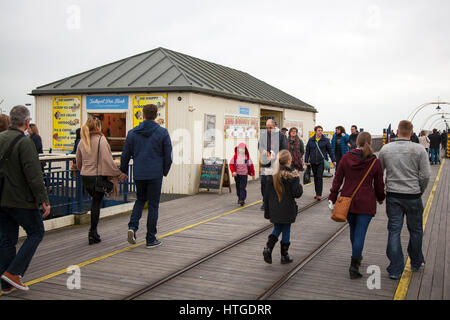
point(279, 204)
point(94, 158)
point(351, 171)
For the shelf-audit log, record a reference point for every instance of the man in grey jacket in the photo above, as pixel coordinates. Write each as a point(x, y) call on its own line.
point(407, 175)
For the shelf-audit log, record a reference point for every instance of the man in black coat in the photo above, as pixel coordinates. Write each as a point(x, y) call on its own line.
point(435, 142)
point(270, 144)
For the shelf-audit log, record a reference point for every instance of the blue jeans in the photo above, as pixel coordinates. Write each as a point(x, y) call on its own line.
point(241, 187)
point(435, 158)
point(10, 220)
point(396, 209)
point(358, 228)
point(146, 190)
point(284, 228)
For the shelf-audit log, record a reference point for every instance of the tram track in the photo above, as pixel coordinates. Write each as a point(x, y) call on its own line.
point(208, 257)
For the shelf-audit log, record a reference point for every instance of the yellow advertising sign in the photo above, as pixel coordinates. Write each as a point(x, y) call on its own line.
point(269, 114)
point(327, 134)
point(140, 100)
point(66, 119)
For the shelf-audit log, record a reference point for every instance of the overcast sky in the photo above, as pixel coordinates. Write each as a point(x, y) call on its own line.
point(359, 62)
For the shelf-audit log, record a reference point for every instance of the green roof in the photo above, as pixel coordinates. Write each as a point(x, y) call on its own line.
point(163, 70)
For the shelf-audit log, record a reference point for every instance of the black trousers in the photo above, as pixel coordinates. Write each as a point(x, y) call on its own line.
point(97, 198)
point(317, 169)
point(241, 186)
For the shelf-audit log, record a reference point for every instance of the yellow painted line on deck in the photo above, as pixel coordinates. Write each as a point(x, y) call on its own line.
point(405, 280)
point(105, 256)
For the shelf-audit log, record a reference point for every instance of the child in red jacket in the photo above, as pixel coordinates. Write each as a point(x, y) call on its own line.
point(241, 167)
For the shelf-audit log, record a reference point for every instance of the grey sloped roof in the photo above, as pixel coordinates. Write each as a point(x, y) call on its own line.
point(163, 70)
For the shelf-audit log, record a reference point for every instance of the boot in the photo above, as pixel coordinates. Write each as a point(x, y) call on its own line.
point(354, 268)
point(94, 237)
point(284, 253)
point(267, 253)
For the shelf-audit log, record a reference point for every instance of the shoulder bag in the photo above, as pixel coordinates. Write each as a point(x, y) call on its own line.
point(5, 158)
point(326, 164)
point(342, 205)
point(102, 184)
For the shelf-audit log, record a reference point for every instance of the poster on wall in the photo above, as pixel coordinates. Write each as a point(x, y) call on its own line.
point(294, 124)
point(209, 140)
point(66, 120)
point(327, 134)
point(140, 100)
point(270, 114)
point(241, 126)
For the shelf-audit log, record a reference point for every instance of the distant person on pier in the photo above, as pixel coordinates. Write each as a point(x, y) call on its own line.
point(424, 141)
point(407, 176)
point(4, 122)
point(150, 147)
point(339, 144)
point(270, 143)
point(352, 138)
point(435, 142)
point(22, 194)
point(317, 151)
point(241, 167)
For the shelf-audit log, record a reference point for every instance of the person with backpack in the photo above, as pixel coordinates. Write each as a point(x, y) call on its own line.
point(435, 141)
point(279, 205)
point(241, 167)
point(316, 155)
point(352, 172)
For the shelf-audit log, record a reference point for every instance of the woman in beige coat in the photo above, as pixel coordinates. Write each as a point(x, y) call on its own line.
point(93, 160)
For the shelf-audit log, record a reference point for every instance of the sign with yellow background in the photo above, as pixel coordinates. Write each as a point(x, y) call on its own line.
point(327, 134)
point(160, 100)
point(269, 114)
point(66, 119)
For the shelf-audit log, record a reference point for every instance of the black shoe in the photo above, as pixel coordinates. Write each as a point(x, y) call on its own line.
point(242, 203)
point(267, 253)
point(94, 237)
point(284, 253)
point(354, 268)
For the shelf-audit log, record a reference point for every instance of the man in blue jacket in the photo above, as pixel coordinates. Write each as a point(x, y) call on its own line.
point(151, 149)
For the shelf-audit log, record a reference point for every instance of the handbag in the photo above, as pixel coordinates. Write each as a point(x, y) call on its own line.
point(342, 205)
point(102, 184)
point(326, 164)
point(5, 158)
point(307, 175)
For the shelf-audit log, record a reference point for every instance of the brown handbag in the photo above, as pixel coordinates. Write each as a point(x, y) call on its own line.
point(342, 205)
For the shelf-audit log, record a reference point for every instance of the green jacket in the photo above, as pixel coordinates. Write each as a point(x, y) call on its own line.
point(24, 184)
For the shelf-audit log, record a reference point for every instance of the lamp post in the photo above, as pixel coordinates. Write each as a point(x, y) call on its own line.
point(415, 111)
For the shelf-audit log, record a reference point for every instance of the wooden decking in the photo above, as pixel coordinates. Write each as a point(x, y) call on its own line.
point(193, 227)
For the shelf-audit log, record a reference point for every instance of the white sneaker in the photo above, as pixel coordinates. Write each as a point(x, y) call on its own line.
point(131, 236)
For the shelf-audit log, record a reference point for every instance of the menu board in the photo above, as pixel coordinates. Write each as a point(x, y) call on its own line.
point(66, 114)
point(214, 174)
point(160, 100)
point(241, 126)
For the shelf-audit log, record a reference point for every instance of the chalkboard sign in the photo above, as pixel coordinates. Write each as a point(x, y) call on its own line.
point(214, 175)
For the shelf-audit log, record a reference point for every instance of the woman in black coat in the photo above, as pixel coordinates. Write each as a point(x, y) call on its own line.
point(279, 205)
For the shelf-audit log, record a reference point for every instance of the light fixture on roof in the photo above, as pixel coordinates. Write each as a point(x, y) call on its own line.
point(438, 108)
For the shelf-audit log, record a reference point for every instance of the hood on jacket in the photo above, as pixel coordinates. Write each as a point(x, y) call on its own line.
point(147, 128)
point(356, 161)
point(247, 154)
